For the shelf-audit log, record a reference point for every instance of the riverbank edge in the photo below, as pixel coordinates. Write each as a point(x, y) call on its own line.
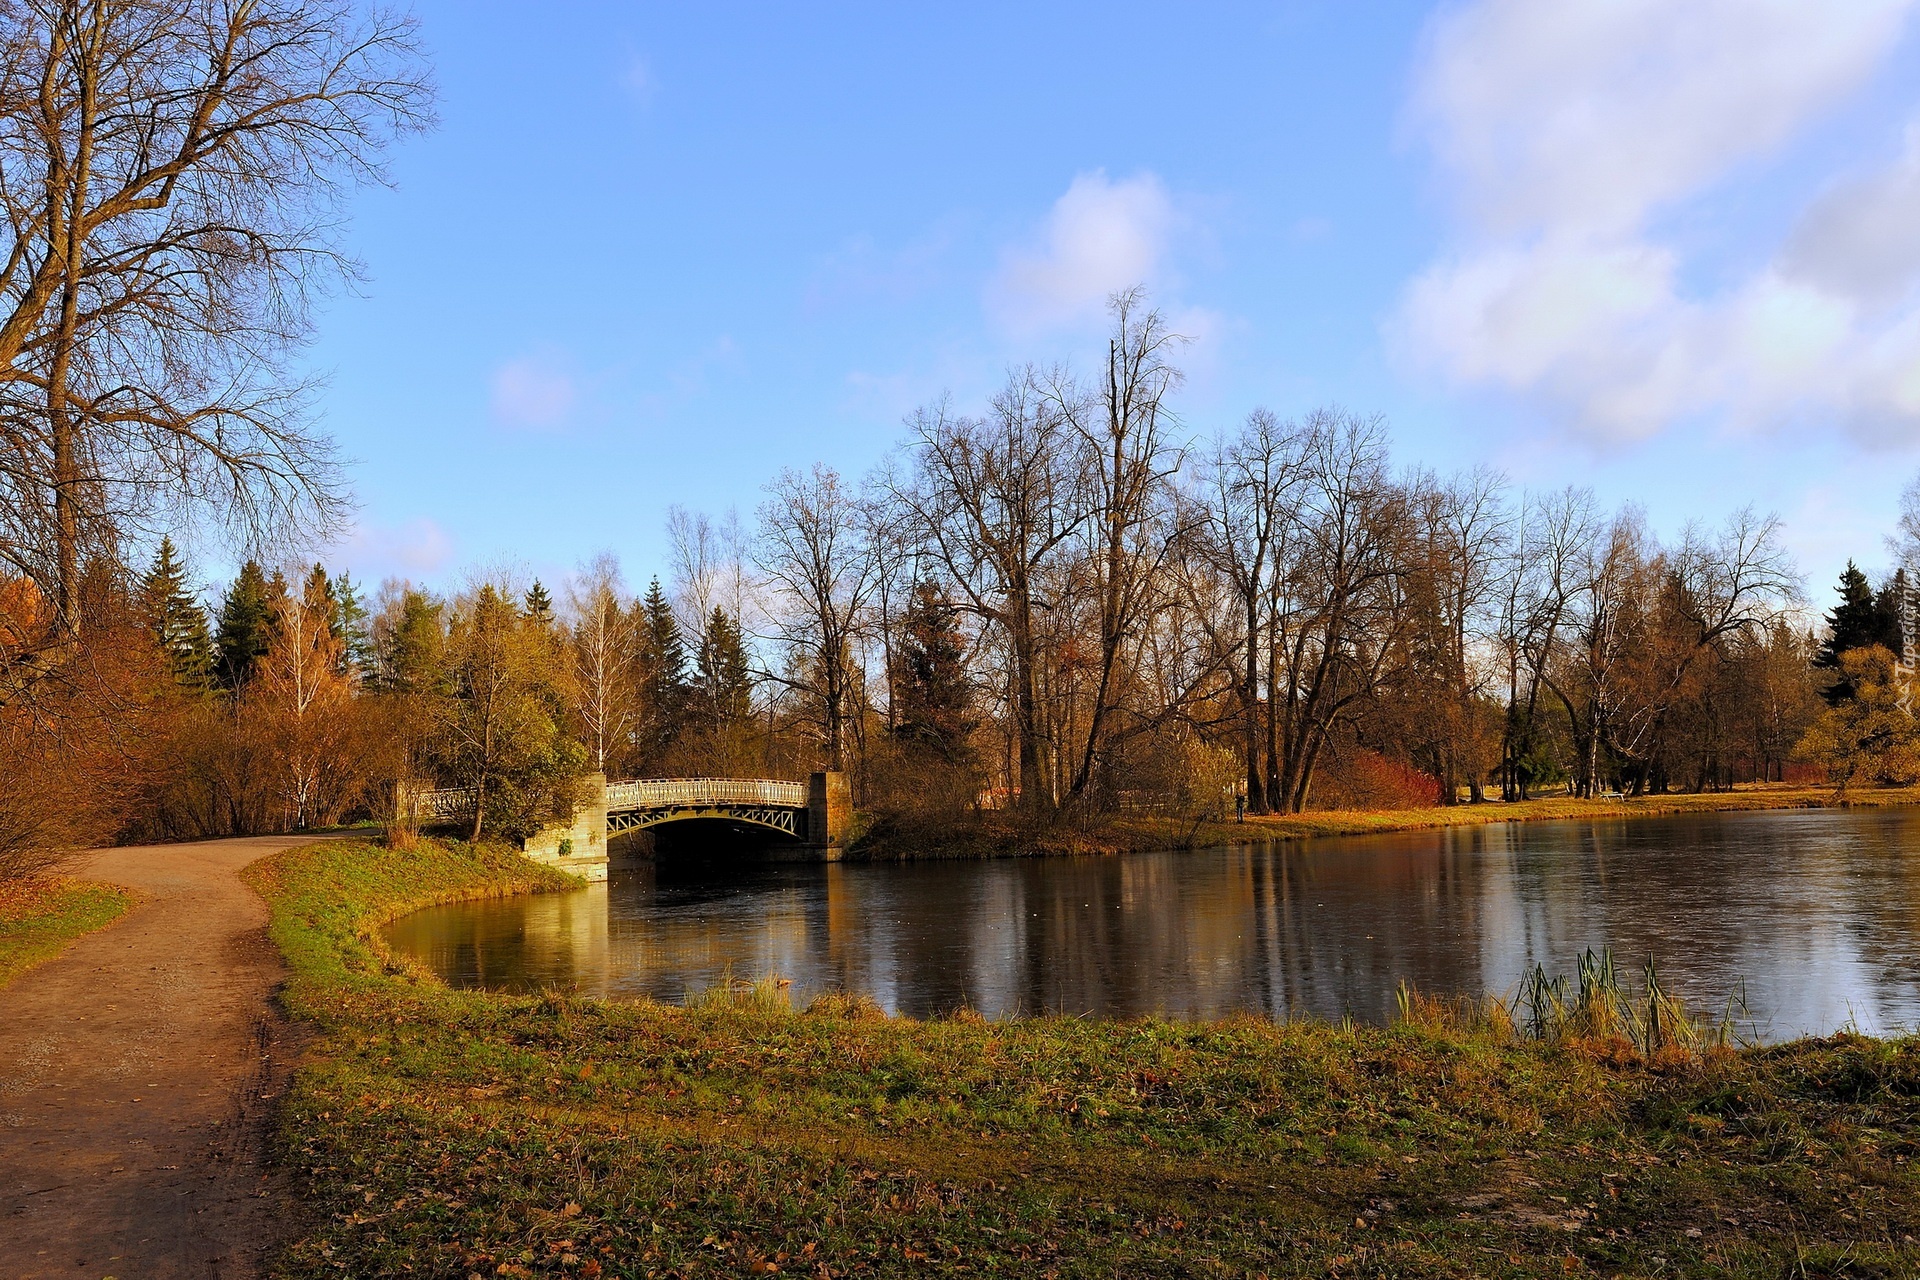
point(377, 884)
point(1002, 836)
point(470, 1133)
point(40, 921)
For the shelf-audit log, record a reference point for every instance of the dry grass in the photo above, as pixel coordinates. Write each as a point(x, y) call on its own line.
point(1127, 835)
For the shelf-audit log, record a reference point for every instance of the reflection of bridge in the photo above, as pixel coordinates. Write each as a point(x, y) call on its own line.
point(814, 815)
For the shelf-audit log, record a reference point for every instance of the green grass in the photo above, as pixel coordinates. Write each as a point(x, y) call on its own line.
point(39, 920)
point(442, 1133)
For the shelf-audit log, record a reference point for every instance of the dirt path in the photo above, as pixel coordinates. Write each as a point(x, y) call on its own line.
point(136, 1074)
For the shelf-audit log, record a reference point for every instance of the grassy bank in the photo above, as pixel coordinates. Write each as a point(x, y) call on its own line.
point(997, 835)
point(40, 918)
point(440, 1133)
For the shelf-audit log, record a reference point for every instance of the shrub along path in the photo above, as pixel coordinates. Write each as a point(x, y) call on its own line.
point(136, 1073)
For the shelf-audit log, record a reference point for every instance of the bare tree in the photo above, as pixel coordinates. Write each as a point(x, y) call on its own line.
point(1905, 546)
point(708, 561)
point(1592, 680)
point(1339, 608)
point(1125, 426)
point(995, 500)
point(1248, 494)
point(601, 652)
point(1555, 539)
point(1718, 585)
point(814, 552)
point(1463, 526)
point(172, 175)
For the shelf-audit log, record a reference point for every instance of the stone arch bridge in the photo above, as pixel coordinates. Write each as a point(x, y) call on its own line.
point(811, 817)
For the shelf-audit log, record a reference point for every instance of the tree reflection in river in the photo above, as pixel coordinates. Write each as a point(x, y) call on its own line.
point(1813, 911)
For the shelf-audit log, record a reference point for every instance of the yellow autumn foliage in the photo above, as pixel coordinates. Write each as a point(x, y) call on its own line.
point(1873, 736)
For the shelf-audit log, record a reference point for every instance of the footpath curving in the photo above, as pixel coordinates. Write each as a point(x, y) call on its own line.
point(138, 1071)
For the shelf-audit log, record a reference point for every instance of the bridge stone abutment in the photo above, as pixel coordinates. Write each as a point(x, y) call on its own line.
point(829, 815)
point(579, 846)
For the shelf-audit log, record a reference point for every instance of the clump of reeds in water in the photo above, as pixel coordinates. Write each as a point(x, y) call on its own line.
point(1596, 1009)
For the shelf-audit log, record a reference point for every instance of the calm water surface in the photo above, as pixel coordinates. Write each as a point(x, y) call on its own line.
point(1813, 913)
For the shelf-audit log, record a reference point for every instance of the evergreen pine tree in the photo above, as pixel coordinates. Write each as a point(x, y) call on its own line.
point(177, 622)
point(539, 605)
point(662, 662)
point(1889, 628)
point(723, 681)
point(413, 653)
point(318, 592)
point(245, 625)
point(353, 626)
point(1856, 622)
point(934, 695)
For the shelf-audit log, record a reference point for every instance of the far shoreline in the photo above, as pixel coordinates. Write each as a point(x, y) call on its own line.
point(1000, 836)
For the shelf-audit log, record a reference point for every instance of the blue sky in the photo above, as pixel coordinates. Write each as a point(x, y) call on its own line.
point(654, 253)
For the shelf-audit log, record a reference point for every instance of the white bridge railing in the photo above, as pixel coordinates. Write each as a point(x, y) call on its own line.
point(652, 793)
point(647, 793)
point(452, 802)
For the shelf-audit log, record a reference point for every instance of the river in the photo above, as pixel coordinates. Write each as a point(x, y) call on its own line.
point(1811, 915)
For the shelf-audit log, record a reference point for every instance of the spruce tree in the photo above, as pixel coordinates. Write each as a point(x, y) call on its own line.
point(352, 625)
point(539, 605)
point(1855, 623)
point(177, 622)
point(934, 695)
point(245, 626)
point(412, 655)
point(662, 662)
point(723, 680)
point(1889, 625)
point(318, 592)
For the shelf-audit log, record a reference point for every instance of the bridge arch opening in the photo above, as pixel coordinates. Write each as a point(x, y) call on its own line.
point(706, 837)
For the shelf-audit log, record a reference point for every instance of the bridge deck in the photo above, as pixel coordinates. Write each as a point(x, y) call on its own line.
point(646, 793)
point(650, 793)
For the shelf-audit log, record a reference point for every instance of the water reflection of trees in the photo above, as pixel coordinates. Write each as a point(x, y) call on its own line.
point(1814, 911)
point(546, 941)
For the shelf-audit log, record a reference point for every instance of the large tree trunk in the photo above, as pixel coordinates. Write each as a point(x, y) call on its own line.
point(1250, 696)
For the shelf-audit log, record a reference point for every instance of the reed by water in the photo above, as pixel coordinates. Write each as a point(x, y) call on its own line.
point(1596, 1006)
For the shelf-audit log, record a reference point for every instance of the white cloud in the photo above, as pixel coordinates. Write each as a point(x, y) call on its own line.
point(534, 391)
point(1565, 131)
point(1861, 240)
point(1100, 237)
point(1590, 113)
